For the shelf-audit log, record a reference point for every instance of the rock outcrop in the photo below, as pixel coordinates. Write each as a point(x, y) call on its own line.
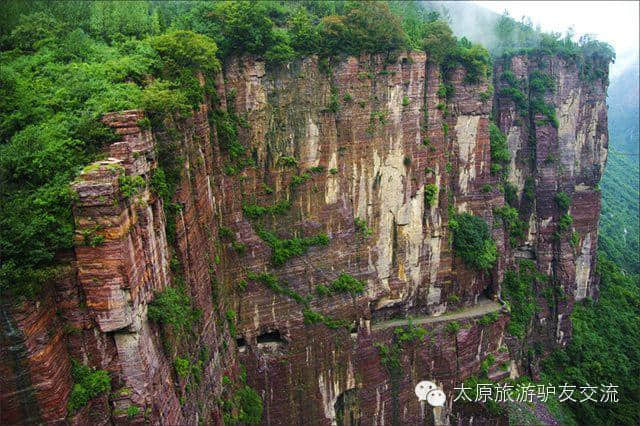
point(566, 157)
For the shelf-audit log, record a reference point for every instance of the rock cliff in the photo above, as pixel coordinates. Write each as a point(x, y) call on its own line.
point(377, 153)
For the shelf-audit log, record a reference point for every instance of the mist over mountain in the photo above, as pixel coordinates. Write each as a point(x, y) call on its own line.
point(469, 20)
point(624, 110)
point(478, 23)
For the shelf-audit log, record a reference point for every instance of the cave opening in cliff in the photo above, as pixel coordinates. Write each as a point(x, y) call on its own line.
point(270, 338)
point(488, 292)
point(347, 408)
point(353, 329)
point(241, 342)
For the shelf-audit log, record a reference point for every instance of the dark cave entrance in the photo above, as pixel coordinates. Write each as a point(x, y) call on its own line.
point(270, 339)
point(241, 343)
point(353, 329)
point(492, 288)
point(347, 408)
point(488, 292)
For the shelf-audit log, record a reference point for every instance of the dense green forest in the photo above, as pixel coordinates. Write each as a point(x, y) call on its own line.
point(620, 219)
point(64, 64)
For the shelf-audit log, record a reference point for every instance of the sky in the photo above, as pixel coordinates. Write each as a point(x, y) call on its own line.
point(615, 22)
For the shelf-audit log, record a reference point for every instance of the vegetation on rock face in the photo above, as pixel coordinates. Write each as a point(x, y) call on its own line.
point(231, 320)
point(533, 102)
point(88, 383)
point(518, 289)
point(514, 226)
point(453, 327)
point(172, 307)
point(284, 250)
point(346, 283)
point(241, 404)
point(315, 317)
point(430, 193)
point(361, 227)
point(604, 350)
point(272, 282)
point(539, 85)
point(250, 404)
point(472, 241)
point(500, 155)
point(513, 90)
point(562, 201)
point(391, 357)
point(254, 211)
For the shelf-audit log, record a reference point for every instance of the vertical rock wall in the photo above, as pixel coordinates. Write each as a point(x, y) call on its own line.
point(378, 149)
point(568, 158)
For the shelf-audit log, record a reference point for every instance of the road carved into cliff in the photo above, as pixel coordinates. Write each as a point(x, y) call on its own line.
point(484, 306)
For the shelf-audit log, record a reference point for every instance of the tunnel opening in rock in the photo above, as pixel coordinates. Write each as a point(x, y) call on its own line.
point(347, 409)
point(271, 340)
point(488, 292)
point(353, 329)
point(270, 337)
point(241, 342)
point(382, 310)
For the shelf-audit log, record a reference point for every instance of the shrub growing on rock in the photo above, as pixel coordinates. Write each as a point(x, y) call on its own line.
point(472, 241)
point(88, 383)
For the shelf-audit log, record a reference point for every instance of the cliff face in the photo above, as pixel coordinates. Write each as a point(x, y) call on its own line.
point(549, 160)
point(350, 148)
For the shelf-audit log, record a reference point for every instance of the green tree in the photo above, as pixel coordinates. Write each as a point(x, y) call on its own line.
point(115, 20)
point(438, 41)
point(373, 28)
point(305, 36)
point(186, 49)
point(369, 27)
point(414, 20)
point(34, 31)
point(237, 27)
point(472, 241)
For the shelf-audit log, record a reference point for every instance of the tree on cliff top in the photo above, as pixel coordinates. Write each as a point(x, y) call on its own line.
point(438, 41)
point(444, 49)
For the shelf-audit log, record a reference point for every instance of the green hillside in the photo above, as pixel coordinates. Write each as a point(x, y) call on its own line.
point(619, 222)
